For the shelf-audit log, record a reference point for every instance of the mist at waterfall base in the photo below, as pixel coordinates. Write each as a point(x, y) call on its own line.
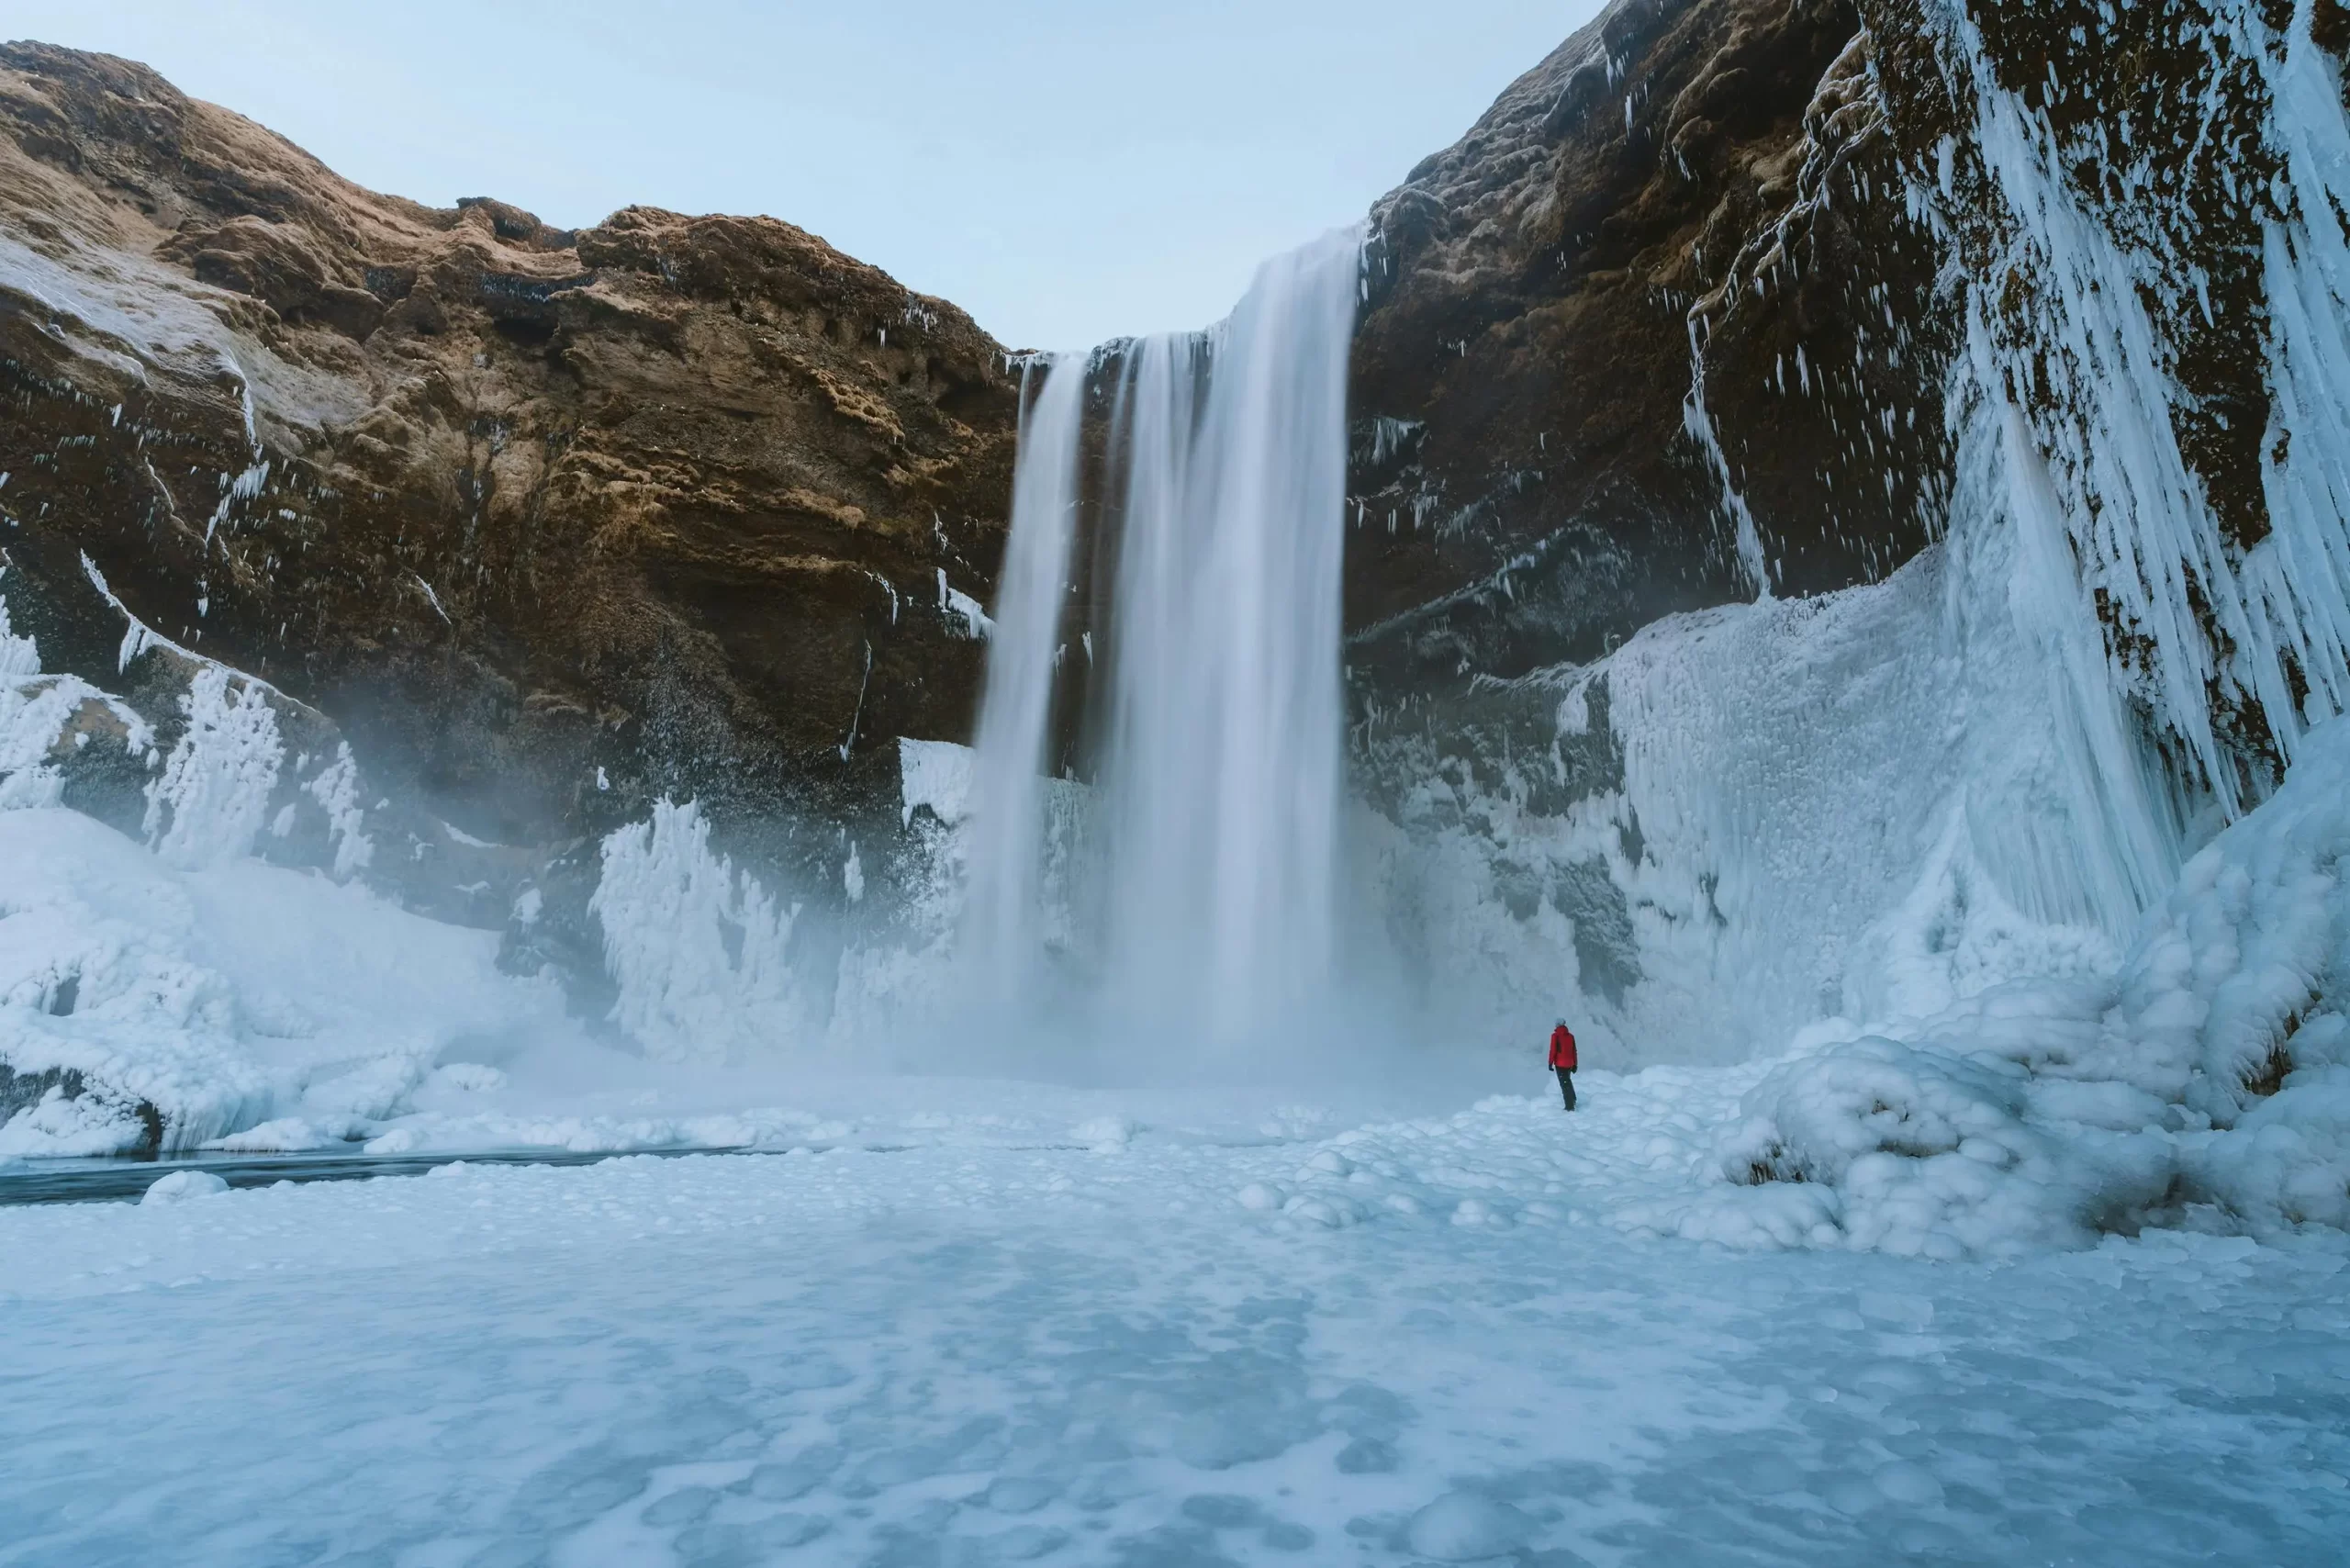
point(1179, 912)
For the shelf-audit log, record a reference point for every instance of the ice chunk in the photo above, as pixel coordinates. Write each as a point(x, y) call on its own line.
point(287, 1135)
point(1461, 1527)
point(182, 1185)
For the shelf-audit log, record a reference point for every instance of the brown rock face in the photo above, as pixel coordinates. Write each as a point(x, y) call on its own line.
point(1671, 195)
point(548, 524)
point(1678, 317)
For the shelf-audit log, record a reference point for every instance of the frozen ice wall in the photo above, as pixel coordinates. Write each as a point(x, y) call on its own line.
point(1863, 804)
point(2123, 253)
point(697, 949)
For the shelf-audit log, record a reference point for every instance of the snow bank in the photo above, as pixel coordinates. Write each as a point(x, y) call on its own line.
point(101, 1001)
point(145, 1004)
point(1922, 1151)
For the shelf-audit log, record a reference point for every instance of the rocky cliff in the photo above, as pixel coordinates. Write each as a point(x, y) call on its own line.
point(544, 524)
point(1675, 323)
point(1732, 312)
point(1565, 354)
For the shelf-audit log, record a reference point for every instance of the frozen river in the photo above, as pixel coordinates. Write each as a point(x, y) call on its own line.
point(1446, 1341)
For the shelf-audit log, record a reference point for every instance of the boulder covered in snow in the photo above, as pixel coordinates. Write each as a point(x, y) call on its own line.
point(181, 1186)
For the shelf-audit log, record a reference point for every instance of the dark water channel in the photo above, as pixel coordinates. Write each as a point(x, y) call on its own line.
point(113, 1181)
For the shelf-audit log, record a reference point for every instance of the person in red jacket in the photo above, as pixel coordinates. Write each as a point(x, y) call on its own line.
point(1562, 1060)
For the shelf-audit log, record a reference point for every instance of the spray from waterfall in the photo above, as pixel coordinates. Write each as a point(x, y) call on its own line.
point(1209, 875)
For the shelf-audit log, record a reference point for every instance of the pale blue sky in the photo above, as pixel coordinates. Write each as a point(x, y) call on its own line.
point(1065, 170)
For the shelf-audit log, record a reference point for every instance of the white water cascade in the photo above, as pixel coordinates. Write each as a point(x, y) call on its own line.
point(1209, 886)
point(1000, 911)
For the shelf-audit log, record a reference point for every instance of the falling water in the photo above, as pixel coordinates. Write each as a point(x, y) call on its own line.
point(1223, 774)
point(1001, 910)
point(1219, 777)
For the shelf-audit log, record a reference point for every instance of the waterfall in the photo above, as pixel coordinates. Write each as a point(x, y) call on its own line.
point(1002, 923)
point(1223, 774)
point(1220, 723)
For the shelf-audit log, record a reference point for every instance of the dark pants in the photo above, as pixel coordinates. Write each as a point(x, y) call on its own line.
point(1566, 1085)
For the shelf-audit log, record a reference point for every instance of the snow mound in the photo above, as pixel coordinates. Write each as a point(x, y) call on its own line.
point(181, 1186)
point(1461, 1527)
point(145, 1006)
point(2206, 1083)
point(1918, 1151)
point(2237, 1002)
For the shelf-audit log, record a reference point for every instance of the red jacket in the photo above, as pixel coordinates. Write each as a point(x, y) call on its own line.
point(1562, 1048)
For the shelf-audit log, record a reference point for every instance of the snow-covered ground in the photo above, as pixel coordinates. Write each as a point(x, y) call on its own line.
point(1430, 1341)
point(2056, 1274)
